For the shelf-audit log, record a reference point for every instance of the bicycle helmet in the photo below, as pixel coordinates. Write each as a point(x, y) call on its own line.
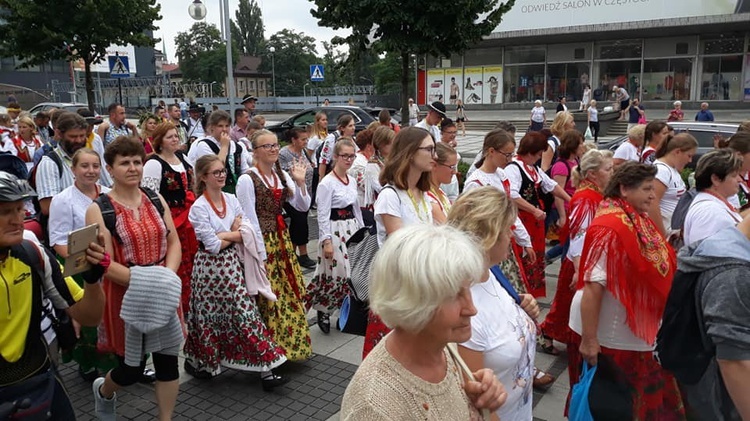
point(13, 189)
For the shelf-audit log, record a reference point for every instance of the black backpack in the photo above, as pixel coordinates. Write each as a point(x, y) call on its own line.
point(108, 211)
point(682, 346)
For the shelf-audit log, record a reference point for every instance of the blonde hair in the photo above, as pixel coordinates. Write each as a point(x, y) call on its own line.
point(638, 133)
point(592, 160)
point(485, 213)
point(558, 124)
point(411, 278)
point(86, 151)
point(254, 142)
point(29, 122)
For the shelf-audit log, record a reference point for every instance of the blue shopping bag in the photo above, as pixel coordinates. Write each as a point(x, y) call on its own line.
point(579, 398)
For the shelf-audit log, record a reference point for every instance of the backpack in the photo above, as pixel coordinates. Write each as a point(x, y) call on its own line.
point(681, 210)
point(336, 136)
point(108, 211)
point(682, 347)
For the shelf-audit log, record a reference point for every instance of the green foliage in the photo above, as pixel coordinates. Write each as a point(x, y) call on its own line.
point(42, 30)
point(294, 53)
point(202, 55)
point(387, 75)
point(406, 27)
point(247, 28)
point(462, 168)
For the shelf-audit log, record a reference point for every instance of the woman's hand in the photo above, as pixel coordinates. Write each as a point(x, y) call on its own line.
point(530, 254)
point(530, 305)
point(224, 139)
point(561, 220)
point(486, 392)
point(298, 170)
point(540, 214)
point(236, 224)
point(328, 250)
point(590, 350)
point(574, 281)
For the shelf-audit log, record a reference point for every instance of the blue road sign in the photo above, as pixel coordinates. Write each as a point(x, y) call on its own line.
point(119, 66)
point(316, 73)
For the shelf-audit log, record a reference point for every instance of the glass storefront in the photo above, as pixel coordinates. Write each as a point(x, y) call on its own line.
point(623, 73)
point(567, 80)
point(523, 83)
point(667, 79)
point(721, 78)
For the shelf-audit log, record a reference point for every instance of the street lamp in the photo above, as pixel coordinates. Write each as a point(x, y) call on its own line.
point(273, 75)
point(197, 11)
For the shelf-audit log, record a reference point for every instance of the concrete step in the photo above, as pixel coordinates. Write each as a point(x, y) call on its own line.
point(617, 128)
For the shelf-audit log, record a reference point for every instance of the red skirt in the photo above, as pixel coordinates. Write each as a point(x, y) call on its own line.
point(376, 330)
point(656, 395)
point(535, 269)
point(556, 323)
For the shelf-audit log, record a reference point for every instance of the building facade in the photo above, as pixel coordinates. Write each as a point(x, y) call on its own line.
point(658, 50)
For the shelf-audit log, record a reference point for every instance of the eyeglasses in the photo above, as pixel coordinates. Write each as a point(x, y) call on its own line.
point(347, 157)
point(219, 173)
point(268, 146)
point(429, 149)
point(452, 167)
point(508, 155)
point(452, 133)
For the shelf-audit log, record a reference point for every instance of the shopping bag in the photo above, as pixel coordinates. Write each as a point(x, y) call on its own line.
point(579, 397)
point(588, 135)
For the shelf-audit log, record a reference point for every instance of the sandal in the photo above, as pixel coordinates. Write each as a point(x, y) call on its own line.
point(548, 347)
point(542, 380)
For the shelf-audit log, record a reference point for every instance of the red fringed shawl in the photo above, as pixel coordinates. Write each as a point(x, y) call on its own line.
point(640, 264)
point(583, 206)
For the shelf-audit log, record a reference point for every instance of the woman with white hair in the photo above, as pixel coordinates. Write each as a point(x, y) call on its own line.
point(426, 299)
point(538, 117)
point(676, 114)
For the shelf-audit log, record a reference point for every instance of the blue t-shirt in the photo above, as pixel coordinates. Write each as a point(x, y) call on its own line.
point(634, 114)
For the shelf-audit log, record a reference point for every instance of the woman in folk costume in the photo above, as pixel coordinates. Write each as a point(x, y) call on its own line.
point(225, 327)
point(624, 278)
point(262, 192)
point(590, 178)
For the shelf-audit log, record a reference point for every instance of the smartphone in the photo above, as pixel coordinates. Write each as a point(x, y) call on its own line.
point(78, 242)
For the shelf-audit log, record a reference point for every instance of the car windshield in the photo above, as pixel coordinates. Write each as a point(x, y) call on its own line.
point(705, 138)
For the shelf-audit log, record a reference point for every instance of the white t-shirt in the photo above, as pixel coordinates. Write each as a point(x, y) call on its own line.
point(613, 331)
point(506, 335)
point(671, 178)
point(435, 130)
point(395, 202)
point(67, 212)
point(537, 114)
point(707, 215)
point(628, 152)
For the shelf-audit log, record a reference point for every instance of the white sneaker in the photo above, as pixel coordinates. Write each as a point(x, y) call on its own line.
point(104, 408)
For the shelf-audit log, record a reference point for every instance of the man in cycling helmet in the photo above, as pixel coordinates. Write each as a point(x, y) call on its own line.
point(29, 385)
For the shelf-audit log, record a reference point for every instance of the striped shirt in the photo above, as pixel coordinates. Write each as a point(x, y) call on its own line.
point(48, 180)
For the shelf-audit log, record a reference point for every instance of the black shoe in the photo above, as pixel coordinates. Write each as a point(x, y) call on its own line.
point(306, 262)
point(272, 381)
point(88, 376)
point(148, 376)
point(198, 374)
point(324, 322)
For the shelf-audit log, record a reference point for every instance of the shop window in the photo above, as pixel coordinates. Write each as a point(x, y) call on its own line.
point(524, 55)
point(723, 44)
point(567, 80)
point(667, 79)
point(619, 49)
point(625, 74)
point(721, 78)
point(523, 83)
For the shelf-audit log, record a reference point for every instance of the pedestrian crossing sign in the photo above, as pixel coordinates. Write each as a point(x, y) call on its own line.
point(119, 66)
point(316, 73)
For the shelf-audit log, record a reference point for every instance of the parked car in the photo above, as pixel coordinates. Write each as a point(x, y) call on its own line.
point(703, 132)
point(362, 119)
point(375, 112)
point(67, 106)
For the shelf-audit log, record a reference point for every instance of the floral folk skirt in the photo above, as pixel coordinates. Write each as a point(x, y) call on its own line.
point(224, 325)
point(556, 323)
point(330, 284)
point(655, 392)
point(285, 317)
point(535, 269)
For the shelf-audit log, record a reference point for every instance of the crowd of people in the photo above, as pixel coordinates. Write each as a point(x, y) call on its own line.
point(216, 225)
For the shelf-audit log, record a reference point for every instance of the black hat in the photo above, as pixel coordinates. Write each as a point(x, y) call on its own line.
point(247, 98)
point(89, 116)
point(196, 108)
point(438, 107)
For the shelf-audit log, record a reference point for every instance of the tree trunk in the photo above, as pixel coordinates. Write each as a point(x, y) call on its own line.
point(404, 89)
point(89, 84)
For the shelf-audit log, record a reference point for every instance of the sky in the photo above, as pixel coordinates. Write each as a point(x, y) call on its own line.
point(277, 15)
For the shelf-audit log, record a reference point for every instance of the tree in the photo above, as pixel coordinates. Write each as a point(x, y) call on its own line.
point(247, 28)
point(293, 54)
point(202, 54)
point(408, 27)
point(43, 30)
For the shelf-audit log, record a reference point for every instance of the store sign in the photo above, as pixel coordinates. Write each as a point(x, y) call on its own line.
point(435, 85)
point(538, 14)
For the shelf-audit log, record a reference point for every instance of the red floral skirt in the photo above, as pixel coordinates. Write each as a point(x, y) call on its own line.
point(656, 396)
point(189, 244)
point(535, 269)
point(556, 323)
point(376, 330)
